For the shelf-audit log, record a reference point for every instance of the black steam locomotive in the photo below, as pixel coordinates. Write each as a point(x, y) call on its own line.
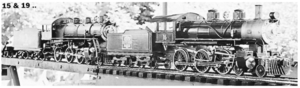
point(192, 41)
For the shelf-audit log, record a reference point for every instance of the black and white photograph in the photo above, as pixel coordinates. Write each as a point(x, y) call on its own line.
point(149, 43)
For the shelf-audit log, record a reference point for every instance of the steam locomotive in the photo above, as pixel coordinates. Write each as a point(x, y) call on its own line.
point(192, 41)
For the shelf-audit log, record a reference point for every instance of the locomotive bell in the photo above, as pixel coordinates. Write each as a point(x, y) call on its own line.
point(212, 15)
point(88, 20)
point(238, 14)
point(76, 21)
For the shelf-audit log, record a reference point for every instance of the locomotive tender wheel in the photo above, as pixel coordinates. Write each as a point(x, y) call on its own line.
point(226, 66)
point(31, 55)
point(69, 55)
point(130, 63)
point(57, 55)
point(201, 55)
point(180, 56)
point(5, 54)
point(238, 71)
point(260, 71)
point(37, 55)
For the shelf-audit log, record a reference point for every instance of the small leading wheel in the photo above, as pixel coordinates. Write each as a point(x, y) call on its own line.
point(180, 57)
point(57, 54)
point(70, 55)
point(227, 63)
point(260, 71)
point(167, 64)
point(201, 56)
point(238, 71)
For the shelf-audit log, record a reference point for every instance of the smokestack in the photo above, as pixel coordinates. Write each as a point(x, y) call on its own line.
point(258, 11)
point(165, 10)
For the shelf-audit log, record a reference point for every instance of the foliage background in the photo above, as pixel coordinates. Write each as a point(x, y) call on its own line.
point(125, 14)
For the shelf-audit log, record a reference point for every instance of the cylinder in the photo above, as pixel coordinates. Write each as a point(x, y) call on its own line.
point(258, 11)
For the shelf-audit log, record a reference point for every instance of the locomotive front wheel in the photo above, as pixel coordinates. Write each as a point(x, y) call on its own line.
point(167, 64)
point(180, 57)
point(57, 55)
point(69, 55)
point(238, 71)
point(204, 56)
point(260, 71)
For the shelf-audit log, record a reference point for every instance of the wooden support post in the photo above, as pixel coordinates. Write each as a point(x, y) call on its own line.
point(179, 77)
point(235, 82)
point(134, 73)
point(160, 75)
point(200, 79)
point(122, 72)
point(115, 72)
point(170, 76)
point(189, 78)
point(151, 75)
point(142, 74)
point(128, 73)
point(108, 71)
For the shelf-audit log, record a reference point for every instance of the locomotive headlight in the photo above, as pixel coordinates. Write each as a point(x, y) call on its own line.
point(274, 15)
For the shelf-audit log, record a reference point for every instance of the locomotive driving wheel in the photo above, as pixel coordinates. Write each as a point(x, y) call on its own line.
point(201, 56)
point(227, 63)
point(69, 55)
point(180, 57)
point(58, 54)
point(260, 71)
point(80, 57)
point(129, 62)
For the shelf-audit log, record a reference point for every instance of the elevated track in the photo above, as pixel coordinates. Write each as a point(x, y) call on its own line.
point(230, 79)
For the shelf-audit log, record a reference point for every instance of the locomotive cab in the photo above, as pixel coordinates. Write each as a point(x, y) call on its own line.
point(166, 25)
